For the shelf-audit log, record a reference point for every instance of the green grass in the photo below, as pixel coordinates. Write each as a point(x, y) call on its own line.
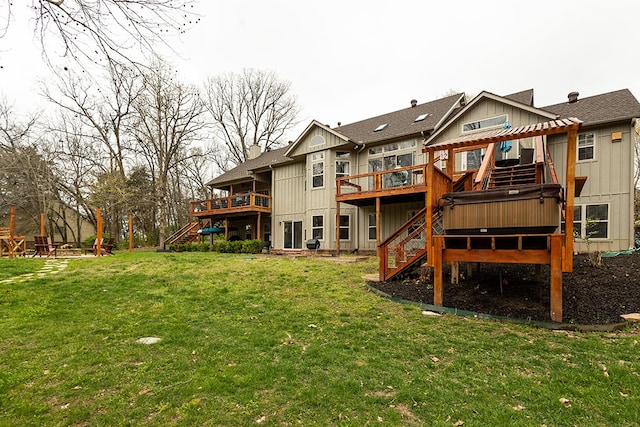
point(280, 341)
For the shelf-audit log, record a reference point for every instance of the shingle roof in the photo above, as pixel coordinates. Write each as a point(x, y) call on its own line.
point(400, 123)
point(524, 97)
point(606, 107)
point(243, 171)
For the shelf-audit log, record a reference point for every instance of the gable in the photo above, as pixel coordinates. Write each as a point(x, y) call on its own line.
point(317, 137)
point(489, 111)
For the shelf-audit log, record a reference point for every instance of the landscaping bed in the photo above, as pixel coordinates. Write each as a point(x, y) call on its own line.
point(591, 295)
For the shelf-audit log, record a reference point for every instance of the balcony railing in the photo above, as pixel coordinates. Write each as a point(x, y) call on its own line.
point(242, 202)
point(408, 179)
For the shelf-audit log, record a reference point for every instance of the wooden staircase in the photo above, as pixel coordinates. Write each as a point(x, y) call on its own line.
point(407, 245)
point(513, 175)
point(187, 234)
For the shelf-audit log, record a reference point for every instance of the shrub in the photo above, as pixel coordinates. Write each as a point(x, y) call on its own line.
point(251, 246)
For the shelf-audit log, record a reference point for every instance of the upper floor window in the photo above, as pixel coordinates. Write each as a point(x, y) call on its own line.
point(316, 140)
point(586, 146)
point(491, 122)
point(317, 169)
point(343, 168)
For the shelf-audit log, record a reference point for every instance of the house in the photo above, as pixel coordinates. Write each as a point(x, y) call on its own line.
point(363, 181)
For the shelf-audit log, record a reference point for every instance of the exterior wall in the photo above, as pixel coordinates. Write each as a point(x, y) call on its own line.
point(392, 215)
point(288, 202)
point(609, 180)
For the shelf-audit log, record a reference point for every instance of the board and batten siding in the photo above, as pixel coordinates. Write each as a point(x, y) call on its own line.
point(609, 180)
point(288, 201)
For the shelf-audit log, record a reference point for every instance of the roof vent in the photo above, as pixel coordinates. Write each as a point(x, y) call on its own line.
point(414, 102)
point(573, 97)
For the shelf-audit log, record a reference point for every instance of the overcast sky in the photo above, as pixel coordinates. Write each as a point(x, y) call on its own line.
point(349, 60)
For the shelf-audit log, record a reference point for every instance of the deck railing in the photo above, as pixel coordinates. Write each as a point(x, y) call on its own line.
point(407, 245)
point(236, 202)
point(399, 180)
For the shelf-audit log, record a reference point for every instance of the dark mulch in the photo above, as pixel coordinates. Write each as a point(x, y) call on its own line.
point(591, 295)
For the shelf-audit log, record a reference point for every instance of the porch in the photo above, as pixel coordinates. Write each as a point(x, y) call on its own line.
point(239, 203)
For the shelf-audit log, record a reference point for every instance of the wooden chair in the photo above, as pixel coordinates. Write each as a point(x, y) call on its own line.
point(106, 247)
point(14, 245)
point(44, 246)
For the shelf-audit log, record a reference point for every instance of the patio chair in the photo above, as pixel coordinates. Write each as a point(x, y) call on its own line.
point(44, 246)
point(15, 245)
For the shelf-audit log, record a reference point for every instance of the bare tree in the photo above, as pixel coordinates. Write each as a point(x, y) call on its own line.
point(93, 31)
point(252, 107)
point(169, 120)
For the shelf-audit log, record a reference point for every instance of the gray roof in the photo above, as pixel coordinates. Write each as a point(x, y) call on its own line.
point(524, 97)
point(614, 106)
point(244, 170)
point(400, 123)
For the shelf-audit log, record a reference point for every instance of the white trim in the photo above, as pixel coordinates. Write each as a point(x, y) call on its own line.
point(348, 228)
point(314, 228)
point(593, 157)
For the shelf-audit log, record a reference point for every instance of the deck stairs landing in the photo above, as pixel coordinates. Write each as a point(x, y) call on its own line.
point(188, 233)
point(512, 175)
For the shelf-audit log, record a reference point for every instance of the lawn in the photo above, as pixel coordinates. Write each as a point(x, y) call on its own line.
point(263, 340)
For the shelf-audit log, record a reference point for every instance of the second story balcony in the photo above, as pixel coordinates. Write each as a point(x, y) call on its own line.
point(395, 185)
point(235, 204)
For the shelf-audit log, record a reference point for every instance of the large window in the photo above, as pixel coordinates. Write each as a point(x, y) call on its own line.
point(317, 227)
point(489, 123)
point(586, 146)
point(591, 221)
point(392, 156)
point(317, 169)
point(344, 227)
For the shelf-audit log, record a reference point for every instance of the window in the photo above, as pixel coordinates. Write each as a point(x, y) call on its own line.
point(586, 144)
point(344, 227)
point(591, 221)
point(421, 117)
point(316, 140)
point(372, 226)
point(392, 156)
point(484, 123)
point(317, 170)
point(379, 128)
point(317, 227)
point(343, 168)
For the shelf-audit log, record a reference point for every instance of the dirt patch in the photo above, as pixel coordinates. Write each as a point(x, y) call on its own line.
point(591, 295)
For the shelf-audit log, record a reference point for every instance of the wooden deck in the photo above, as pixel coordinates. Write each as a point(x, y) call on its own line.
point(235, 204)
point(398, 185)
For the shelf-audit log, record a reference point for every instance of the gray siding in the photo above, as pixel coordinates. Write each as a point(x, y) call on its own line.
point(609, 180)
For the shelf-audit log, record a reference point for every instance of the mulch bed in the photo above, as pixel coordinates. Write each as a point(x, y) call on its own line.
point(591, 295)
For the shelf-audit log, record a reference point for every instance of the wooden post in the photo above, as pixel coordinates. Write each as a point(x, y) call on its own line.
point(98, 233)
point(455, 272)
point(42, 232)
point(437, 270)
point(556, 277)
point(378, 223)
point(130, 232)
point(429, 205)
point(226, 229)
point(258, 225)
point(338, 229)
point(570, 186)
